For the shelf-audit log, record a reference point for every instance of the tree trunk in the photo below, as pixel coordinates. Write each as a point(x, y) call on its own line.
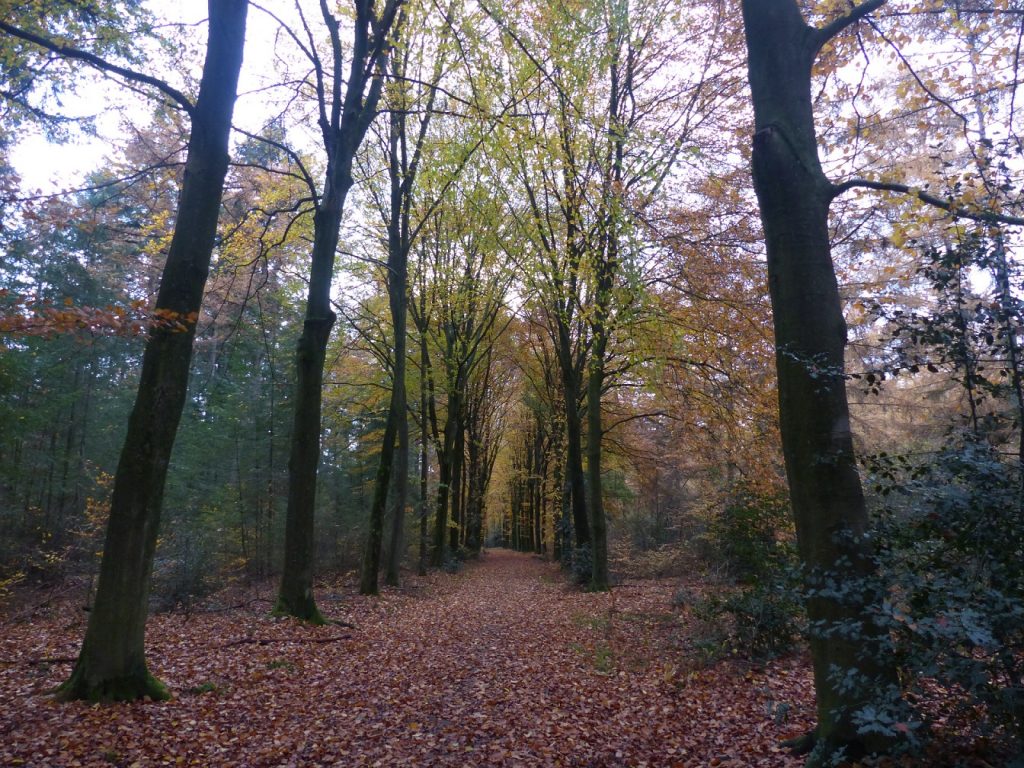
point(574, 447)
point(424, 455)
point(375, 533)
point(810, 339)
point(350, 117)
point(295, 595)
point(457, 510)
point(112, 664)
point(474, 510)
point(437, 555)
point(401, 492)
point(447, 467)
point(396, 408)
point(595, 434)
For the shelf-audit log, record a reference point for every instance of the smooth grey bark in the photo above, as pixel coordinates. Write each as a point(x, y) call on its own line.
point(810, 338)
point(111, 664)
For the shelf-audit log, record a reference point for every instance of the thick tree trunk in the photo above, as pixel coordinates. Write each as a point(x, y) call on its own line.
point(112, 664)
point(457, 510)
point(375, 535)
point(447, 466)
point(810, 338)
point(397, 425)
point(401, 493)
point(424, 457)
point(344, 120)
point(574, 450)
point(368, 584)
point(474, 511)
point(437, 555)
point(559, 546)
point(295, 595)
point(595, 434)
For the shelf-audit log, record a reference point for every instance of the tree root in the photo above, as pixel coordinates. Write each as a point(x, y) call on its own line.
point(802, 745)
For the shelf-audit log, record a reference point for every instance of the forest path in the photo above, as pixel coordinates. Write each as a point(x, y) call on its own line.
point(500, 664)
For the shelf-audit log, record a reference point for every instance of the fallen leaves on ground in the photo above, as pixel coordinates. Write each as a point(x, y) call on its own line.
point(502, 664)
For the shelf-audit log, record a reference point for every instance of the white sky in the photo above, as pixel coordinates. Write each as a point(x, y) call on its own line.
point(51, 168)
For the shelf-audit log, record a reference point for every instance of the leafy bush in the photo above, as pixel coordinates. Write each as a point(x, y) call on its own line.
point(760, 621)
point(752, 536)
point(582, 565)
point(950, 541)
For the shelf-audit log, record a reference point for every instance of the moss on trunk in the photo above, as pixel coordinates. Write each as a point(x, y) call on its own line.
point(141, 685)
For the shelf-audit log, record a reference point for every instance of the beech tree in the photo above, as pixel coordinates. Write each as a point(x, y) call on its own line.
point(602, 135)
point(417, 71)
point(470, 286)
point(851, 669)
point(111, 664)
point(345, 108)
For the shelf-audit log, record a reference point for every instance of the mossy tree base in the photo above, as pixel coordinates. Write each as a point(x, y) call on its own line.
point(303, 610)
point(127, 688)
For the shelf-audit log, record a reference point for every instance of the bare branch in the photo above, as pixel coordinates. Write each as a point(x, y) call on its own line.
point(823, 34)
point(293, 156)
point(101, 64)
point(991, 217)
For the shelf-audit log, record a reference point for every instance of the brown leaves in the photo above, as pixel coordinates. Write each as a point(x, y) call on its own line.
point(28, 316)
point(502, 665)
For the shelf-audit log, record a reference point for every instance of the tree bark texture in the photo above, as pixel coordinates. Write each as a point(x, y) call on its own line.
point(810, 338)
point(112, 664)
point(574, 443)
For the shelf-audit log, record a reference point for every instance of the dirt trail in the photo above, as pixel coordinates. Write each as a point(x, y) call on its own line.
point(502, 664)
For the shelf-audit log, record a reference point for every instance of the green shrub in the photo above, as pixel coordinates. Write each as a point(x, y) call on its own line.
point(752, 538)
point(582, 565)
point(758, 622)
point(950, 541)
point(752, 535)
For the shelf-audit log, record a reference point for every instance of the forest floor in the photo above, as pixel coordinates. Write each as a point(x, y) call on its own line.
point(502, 664)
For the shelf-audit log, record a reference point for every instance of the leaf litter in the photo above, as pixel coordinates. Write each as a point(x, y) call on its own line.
point(502, 664)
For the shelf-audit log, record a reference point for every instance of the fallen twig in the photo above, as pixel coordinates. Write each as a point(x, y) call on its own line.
point(36, 662)
point(271, 641)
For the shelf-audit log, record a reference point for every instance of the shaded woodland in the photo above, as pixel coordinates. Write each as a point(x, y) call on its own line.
point(715, 308)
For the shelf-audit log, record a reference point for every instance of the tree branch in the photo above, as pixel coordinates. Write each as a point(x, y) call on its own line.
point(937, 202)
point(823, 34)
point(101, 64)
point(304, 174)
